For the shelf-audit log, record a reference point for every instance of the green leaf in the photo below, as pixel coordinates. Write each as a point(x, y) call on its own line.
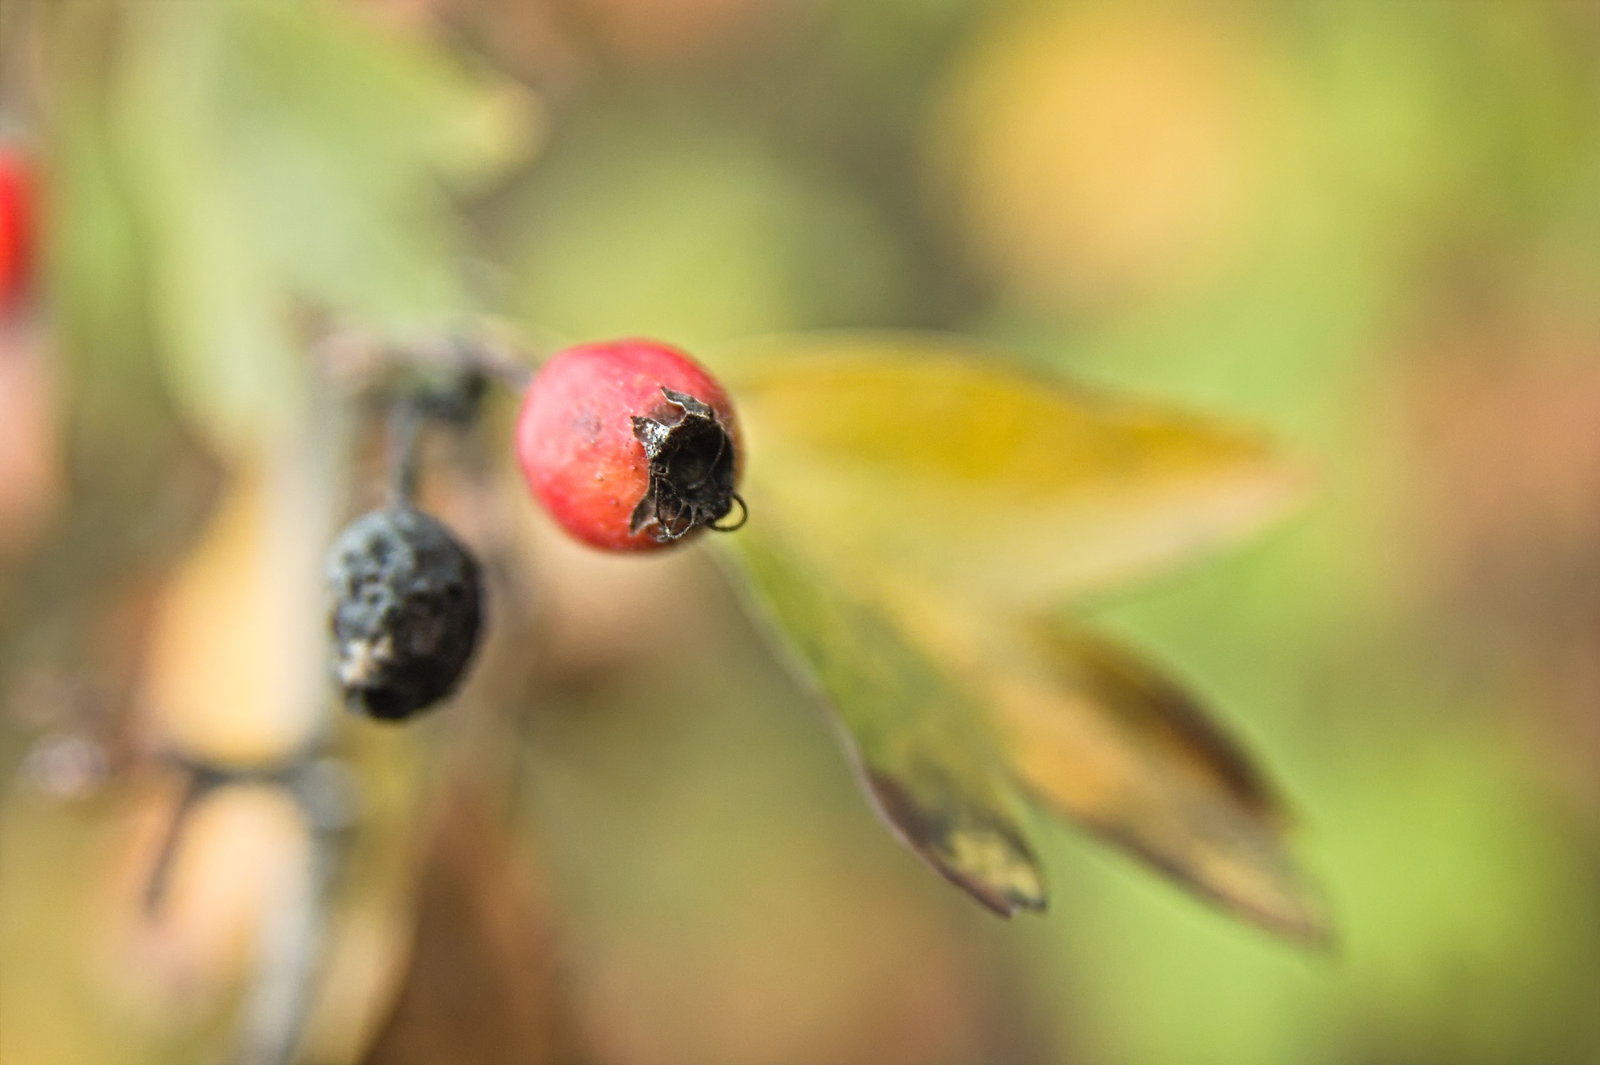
point(334, 137)
point(949, 709)
point(927, 755)
point(953, 467)
point(285, 156)
point(218, 318)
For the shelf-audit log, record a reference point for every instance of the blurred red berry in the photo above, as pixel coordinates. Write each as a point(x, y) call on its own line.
point(630, 445)
point(16, 227)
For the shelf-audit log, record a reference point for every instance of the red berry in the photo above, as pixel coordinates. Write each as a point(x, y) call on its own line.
point(16, 227)
point(630, 445)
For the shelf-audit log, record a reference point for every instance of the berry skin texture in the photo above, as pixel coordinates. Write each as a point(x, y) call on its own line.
point(630, 445)
point(407, 609)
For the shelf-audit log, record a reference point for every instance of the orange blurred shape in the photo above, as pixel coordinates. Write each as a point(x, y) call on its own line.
point(30, 460)
point(239, 635)
point(1503, 400)
point(237, 855)
point(833, 976)
point(662, 32)
point(487, 981)
point(1106, 152)
point(405, 14)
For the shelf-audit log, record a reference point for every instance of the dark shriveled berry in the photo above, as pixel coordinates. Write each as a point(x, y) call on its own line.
point(407, 610)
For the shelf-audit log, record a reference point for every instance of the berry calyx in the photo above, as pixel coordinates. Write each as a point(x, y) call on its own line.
point(630, 445)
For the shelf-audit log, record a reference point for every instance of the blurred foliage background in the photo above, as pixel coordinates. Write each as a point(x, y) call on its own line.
point(1373, 228)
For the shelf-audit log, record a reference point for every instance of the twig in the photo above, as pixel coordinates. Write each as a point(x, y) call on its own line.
point(440, 382)
point(281, 997)
point(278, 1001)
point(202, 781)
point(355, 355)
point(494, 359)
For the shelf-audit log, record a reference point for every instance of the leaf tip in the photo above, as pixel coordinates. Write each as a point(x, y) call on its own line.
point(1267, 890)
point(987, 860)
point(1301, 919)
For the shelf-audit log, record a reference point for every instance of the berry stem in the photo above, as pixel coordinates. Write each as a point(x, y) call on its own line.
point(405, 448)
point(497, 363)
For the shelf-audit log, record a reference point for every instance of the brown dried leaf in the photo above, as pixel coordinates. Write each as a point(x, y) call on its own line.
point(1105, 740)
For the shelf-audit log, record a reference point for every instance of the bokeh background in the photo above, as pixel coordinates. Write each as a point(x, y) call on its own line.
point(1373, 228)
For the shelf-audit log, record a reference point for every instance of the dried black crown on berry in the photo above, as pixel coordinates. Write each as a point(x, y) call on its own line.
point(691, 469)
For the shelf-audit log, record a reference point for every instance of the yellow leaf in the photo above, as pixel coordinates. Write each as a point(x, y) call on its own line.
point(236, 651)
point(1104, 740)
point(946, 464)
point(916, 509)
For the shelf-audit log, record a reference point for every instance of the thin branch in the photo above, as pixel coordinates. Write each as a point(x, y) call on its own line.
point(354, 355)
point(440, 381)
point(201, 781)
point(282, 996)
